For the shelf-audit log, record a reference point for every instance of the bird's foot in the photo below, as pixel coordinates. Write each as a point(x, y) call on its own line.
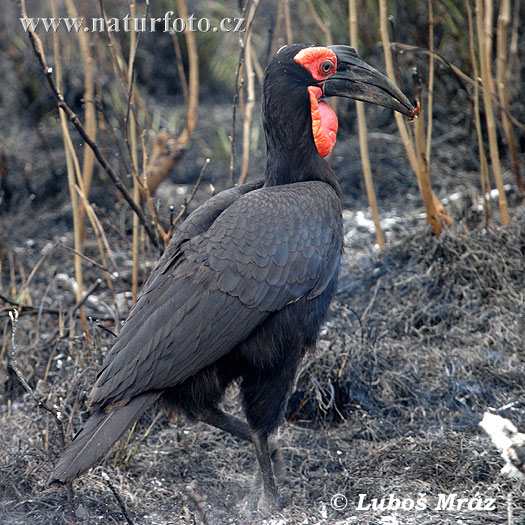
point(262, 502)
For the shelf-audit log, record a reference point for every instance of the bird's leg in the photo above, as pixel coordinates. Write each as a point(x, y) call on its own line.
point(270, 496)
point(224, 421)
point(219, 419)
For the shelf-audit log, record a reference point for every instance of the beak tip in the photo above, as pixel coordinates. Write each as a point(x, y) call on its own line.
point(414, 114)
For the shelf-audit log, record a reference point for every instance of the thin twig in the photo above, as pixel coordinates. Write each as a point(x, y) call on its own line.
point(119, 64)
point(122, 506)
point(88, 164)
point(32, 309)
point(172, 149)
point(320, 24)
point(85, 257)
point(187, 201)
point(180, 68)
point(13, 314)
point(415, 153)
point(73, 169)
point(288, 22)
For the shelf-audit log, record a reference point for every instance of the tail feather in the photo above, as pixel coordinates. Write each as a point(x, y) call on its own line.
point(96, 437)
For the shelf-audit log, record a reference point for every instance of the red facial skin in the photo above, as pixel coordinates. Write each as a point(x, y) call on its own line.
point(320, 62)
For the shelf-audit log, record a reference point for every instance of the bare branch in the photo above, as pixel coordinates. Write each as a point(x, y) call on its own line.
point(13, 314)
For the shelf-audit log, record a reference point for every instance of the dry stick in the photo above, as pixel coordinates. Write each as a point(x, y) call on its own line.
point(14, 365)
point(257, 67)
point(363, 134)
point(193, 87)
point(122, 506)
point(513, 47)
point(250, 102)
point(21, 307)
point(70, 165)
point(503, 88)
point(237, 86)
point(429, 199)
point(430, 96)
point(25, 286)
point(288, 22)
point(131, 454)
point(187, 201)
point(423, 178)
point(322, 26)
point(236, 91)
point(102, 243)
point(132, 144)
point(180, 68)
point(274, 40)
point(88, 164)
point(477, 119)
point(84, 256)
point(485, 43)
point(99, 98)
point(62, 104)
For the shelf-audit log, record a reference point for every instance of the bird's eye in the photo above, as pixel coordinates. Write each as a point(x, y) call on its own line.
point(326, 66)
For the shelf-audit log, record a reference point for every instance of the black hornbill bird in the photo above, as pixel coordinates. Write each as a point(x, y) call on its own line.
point(245, 283)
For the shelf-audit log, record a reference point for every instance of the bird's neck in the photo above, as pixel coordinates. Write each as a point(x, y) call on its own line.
point(291, 152)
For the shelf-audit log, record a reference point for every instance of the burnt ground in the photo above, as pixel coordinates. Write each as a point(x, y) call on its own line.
point(420, 341)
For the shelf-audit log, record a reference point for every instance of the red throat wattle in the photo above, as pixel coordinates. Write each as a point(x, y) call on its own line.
point(324, 122)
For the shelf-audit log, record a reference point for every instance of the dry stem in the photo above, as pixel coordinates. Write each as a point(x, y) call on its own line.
point(88, 164)
point(484, 29)
point(503, 88)
point(482, 157)
point(250, 100)
point(363, 135)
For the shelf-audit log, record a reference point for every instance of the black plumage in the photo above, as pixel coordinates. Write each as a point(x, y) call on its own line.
point(242, 289)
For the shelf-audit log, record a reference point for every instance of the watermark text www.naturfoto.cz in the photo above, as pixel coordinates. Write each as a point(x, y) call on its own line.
point(165, 24)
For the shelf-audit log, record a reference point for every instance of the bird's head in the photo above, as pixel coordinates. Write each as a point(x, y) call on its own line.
point(300, 76)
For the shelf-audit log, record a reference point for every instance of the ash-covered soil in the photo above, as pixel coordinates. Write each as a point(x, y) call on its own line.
point(421, 340)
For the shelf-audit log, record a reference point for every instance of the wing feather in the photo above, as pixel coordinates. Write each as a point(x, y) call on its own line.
point(267, 248)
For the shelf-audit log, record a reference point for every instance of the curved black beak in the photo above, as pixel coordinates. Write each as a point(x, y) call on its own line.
point(355, 79)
